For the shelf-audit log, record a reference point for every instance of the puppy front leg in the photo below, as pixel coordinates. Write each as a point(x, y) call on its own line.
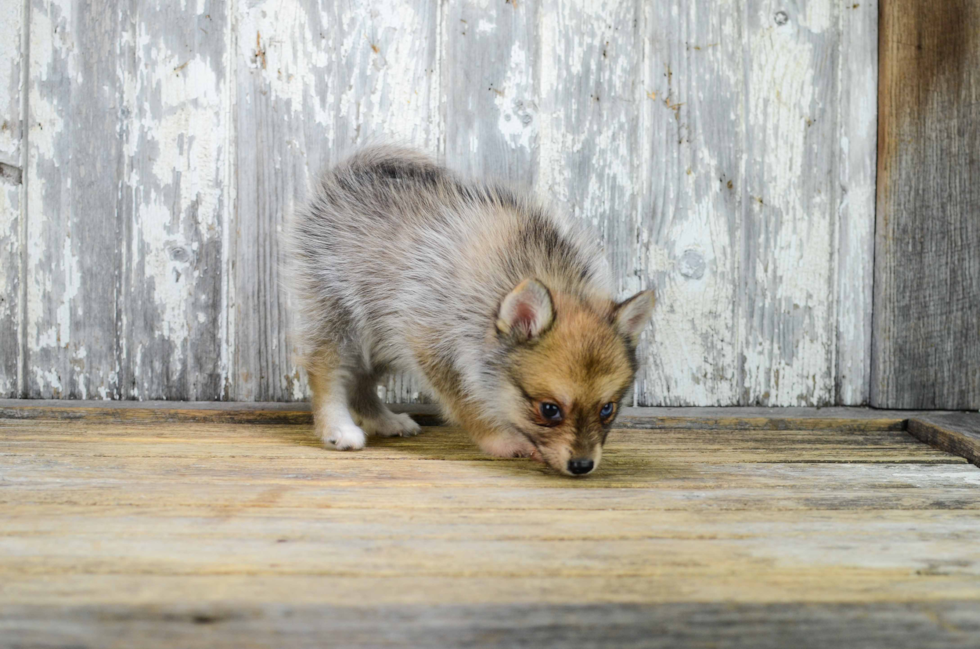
point(331, 416)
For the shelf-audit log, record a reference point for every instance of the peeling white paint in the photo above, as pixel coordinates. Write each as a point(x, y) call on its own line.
point(660, 135)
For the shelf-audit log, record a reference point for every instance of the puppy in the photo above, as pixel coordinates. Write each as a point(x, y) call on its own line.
point(502, 310)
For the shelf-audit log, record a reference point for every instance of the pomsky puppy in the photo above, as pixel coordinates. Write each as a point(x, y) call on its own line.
point(503, 310)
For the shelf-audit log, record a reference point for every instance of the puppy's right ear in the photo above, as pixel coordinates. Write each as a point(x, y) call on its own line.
point(526, 312)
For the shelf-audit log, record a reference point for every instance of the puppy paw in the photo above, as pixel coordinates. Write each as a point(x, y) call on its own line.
point(509, 446)
point(390, 425)
point(344, 437)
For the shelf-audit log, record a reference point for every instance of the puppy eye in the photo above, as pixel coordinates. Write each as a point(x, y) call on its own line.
point(551, 412)
point(607, 410)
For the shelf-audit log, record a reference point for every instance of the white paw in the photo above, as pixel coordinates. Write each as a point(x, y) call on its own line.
point(390, 425)
point(343, 437)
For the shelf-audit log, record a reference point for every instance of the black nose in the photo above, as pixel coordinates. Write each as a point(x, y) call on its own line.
point(580, 467)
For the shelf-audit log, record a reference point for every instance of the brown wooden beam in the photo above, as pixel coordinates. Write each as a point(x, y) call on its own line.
point(926, 338)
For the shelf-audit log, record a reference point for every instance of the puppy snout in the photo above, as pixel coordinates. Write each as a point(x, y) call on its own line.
point(580, 466)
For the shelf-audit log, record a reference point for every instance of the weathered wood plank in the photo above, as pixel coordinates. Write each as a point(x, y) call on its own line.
point(690, 178)
point(857, 94)
point(927, 271)
point(244, 520)
point(75, 199)
point(177, 200)
point(957, 433)
point(787, 332)
point(650, 418)
point(490, 79)
point(950, 624)
point(315, 80)
point(12, 80)
point(588, 120)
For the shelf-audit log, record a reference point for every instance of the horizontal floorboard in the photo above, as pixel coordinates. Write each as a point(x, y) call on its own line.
point(221, 533)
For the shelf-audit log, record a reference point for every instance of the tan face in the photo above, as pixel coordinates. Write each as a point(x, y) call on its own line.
point(570, 383)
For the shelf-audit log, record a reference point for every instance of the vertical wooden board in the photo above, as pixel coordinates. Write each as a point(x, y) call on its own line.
point(690, 179)
point(588, 118)
point(11, 77)
point(177, 200)
point(315, 80)
point(926, 341)
point(787, 321)
point(11, 197)
point(490, 86)
point(74, 220)
point(857, 144)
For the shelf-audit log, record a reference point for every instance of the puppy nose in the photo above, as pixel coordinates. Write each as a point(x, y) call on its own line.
point(580, 466)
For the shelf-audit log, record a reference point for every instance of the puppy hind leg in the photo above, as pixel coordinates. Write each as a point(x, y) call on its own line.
point(371, 413)
point(331, 416)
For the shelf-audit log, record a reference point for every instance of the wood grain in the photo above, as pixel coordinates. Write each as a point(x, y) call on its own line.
point(315, 81)
point(927, 273)
point(722, 152)
point(489, 86)
point(939, 625)
point(177, 202)
point(955, 432)
point(76, 203)
point(232, 534)
point(690, 175)
point(12, 79)
point(786, 310)
point(858, 127)
point(651, 418)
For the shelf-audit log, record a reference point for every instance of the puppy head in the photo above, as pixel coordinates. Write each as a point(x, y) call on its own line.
point(569, 364)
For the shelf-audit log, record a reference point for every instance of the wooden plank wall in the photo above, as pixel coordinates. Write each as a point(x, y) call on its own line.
point(723, 151)
point(927, 266)
point(12, 204)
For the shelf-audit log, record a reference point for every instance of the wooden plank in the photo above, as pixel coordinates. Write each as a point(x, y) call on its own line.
point(245, 520)
point(588, 120)
point(12, 81)
point(177, 200)
point(75, 214)
point(787, 328)
point(689, 183)
point(957, 433)
point(939, 625)
point(489, 84)
point(926, 345)
point(858, 115)
point(651, 418)
point(315, 81)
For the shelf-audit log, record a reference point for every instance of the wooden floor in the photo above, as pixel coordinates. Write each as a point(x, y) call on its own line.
point(134, 531)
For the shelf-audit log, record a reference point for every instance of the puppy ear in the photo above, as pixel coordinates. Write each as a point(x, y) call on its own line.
point(632, 315)
point(526, 312)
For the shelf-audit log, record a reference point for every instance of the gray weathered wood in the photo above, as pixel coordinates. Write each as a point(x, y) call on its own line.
point(177, 201)
point(954, 432)
point(75, 198)
point(315, 80)
point(857, 94)
point(490, 80)
point(927, 270)
point(689, 182)
point(12, 76)
point(723, 153)
point(710, 418)
point(786, 313)
point(946, 624)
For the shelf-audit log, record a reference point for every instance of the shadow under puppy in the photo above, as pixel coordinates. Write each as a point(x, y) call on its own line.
point(502, 310)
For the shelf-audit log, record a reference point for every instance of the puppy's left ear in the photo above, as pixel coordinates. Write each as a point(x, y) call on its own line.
point(632, 315)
